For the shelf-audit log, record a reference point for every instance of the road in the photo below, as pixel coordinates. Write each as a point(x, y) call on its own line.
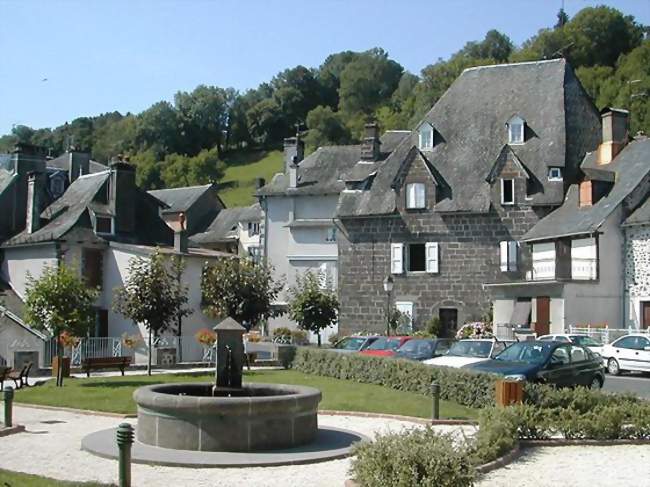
point(637, 384)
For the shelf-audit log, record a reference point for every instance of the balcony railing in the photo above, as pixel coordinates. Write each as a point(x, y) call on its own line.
point(543, 269)
point(584, 269)
point(581, 269)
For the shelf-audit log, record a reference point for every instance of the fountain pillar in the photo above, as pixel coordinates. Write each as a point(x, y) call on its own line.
point(230, 354)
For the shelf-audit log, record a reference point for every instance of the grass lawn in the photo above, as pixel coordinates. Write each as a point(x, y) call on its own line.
point(14, 479)
point(242, 169)
point(114, 394)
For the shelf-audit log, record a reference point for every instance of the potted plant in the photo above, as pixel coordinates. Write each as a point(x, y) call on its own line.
point(66, 339)
point(206, 339)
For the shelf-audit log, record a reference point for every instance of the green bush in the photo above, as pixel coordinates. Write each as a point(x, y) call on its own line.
point(299, 337)
point(282, 331)
point(419, 457)
point(496, 436)
point(459, 385)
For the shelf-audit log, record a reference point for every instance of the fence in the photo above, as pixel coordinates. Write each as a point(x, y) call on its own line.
point(605, 335)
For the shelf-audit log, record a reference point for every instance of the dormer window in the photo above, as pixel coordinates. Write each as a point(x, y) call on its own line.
point(516, 130)
point(104, 225)
point(415, 196)
point(507, 191)
point(425, 137)
point(555, 174)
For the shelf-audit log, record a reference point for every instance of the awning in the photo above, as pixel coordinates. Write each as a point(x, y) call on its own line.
point(521, 313)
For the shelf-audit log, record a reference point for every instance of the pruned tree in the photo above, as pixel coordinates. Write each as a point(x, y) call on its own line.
point(153, 295)
point(240, 289)
point(312, 305)
point(58, 302)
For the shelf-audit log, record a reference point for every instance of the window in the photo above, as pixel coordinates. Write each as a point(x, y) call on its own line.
point(415, 196)
point(92, 266)
point(420, 257)
point(560, 356)
point(417, 258)
point(57, 187)
point(555, 174)
point(508, 255)
point(253, 229)
point(104, 224)
point(507, 191)
point(530, 189)
point(516, 130)
point(578, 354)
point(425, 137)
point(331, 235)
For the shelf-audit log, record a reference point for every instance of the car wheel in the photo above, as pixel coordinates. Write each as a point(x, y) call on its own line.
point(596, 383)
point(612, 367)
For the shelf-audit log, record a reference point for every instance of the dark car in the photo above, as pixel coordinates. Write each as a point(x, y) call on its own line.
point(423, 348)
point(551, 362)
point(353, 343)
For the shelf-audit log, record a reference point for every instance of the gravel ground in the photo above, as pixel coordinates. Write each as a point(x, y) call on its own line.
point(51, 447)
point(577, 466)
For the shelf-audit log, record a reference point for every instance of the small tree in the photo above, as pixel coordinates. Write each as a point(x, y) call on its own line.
point(239, 289)
point(153, 295)
point(313, 306)
point(59, 302)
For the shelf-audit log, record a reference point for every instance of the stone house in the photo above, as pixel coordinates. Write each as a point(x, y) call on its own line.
point(443, 213)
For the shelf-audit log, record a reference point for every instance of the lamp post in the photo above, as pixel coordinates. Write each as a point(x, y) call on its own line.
point(388, 287)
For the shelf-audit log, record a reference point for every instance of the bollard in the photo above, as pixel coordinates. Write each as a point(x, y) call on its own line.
point(9, 399)
point(124, 442)
point(435, 392)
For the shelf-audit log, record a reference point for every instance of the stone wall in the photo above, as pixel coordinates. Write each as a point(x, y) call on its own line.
point(637, 277)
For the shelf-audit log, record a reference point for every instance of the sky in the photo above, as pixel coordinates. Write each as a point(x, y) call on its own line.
point(69, 58)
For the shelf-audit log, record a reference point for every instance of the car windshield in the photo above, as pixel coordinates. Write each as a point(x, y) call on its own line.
point(530, 352)
point(471, 348)
point(584, 341)
point(350, 343)
point(384, 343)
point(413, 346)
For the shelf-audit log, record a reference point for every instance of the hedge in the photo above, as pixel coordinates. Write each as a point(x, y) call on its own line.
point(459, 385)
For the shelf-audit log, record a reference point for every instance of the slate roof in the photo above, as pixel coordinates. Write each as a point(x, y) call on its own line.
point(224, 227)
point(12, 309)
point(180, 199)
point(6, 179)
point(63, 162)
point(470, 133)
point(630, 166)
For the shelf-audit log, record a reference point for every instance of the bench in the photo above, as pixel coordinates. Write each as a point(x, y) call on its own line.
point(98, 363)
point(20, 376)
point(4, 372)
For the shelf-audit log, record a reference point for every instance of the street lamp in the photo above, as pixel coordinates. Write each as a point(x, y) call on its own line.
point(388, 287)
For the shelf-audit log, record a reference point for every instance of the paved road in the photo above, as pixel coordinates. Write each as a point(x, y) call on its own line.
point(633, 383)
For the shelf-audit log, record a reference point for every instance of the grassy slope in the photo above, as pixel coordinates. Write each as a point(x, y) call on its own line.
point(115, 394)
point(14, 479)
point(242, 169)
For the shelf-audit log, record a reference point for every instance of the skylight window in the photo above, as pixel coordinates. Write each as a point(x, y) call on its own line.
point(425, 137)
point(516, 130)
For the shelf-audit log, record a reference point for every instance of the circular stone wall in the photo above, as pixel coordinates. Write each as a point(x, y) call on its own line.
point(259, 417)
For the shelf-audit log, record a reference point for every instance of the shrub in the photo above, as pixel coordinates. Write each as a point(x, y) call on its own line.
point(419, 457)
point(497, 435)
point(299, 337)
point(477, 329)
point(282, 331)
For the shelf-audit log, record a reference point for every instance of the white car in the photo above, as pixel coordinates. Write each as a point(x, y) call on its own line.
point(577, 338)
point(469, 351)
point(630, 352)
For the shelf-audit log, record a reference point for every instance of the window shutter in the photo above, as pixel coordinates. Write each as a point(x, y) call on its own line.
point(432, 257)
point(504, 256)
point(397, 258)
point(512, 255)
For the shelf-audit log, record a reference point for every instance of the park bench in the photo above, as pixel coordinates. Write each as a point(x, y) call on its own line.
point(97, 363)
point(4, 372)
point(20, 376)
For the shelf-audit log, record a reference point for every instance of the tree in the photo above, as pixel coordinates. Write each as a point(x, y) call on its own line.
point(153, 295)
point(495, 46)
point(204, 168)
point(326, 127)
point(59, 301)
point(239, 289)
point(313, 306)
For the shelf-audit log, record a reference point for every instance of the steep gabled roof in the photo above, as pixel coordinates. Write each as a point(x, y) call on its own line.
point(224, 227)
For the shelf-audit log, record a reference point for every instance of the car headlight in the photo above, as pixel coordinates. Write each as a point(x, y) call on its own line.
point(515, 377)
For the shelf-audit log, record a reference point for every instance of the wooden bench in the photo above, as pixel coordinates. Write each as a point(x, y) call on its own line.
point(20, 376)
point(105, 363)
point(4, 372)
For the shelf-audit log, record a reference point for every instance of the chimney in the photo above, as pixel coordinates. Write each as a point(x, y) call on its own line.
point(370, 144)
point(180, 241)
point(259, 183)
point(78, 164)
point(33, 220)
point(294, 151)
point(615, 134)
point(122, 195)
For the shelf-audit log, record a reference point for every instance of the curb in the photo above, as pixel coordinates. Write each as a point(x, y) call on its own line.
point(399, 417)
point(581, 442)
point(502, 461)
point(86, 412)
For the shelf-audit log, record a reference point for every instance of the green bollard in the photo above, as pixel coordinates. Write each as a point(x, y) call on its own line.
point(9, 399)
point(435, 392)
point(124, 442)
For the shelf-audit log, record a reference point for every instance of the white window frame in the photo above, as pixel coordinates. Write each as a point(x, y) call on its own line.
point(503, 202)
point(416, 200)
point(396, 258)
point(112, 225)
point(557, 177)
point(516, 131)
point(432, 256)
point(425, 143)
point(508, 255)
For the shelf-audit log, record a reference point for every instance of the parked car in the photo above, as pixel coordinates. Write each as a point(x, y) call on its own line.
point(577, 338)
point(630, 352)
point(552, 362)
point(386, 346)
point(470, 351)
point(424, 348)
point(353, 344)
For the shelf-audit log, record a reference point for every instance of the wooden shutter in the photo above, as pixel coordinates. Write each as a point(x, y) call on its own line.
point(512, 255)
point(396, 258)
point(503, 247)
point(432, 257)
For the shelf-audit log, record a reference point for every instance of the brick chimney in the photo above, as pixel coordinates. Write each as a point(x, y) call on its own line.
point(122, 194)
point(615, 123)
point(33, 211)
point(370, 144)
point(294, 152)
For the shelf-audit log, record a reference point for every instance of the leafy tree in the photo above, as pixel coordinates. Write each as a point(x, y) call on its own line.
point(239, 289)
point(326, 127)
point(153, 295)
point(59, 301)
point(329, 76)
point(313, 306)
point(115, 135)
point(267, 125)
point(158, 128)
point(562, 19)
point(495, 46)
point(203, 168)
point(148, 170)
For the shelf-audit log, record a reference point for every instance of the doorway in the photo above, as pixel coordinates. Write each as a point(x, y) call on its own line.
point(448, 321)
point(645, 315)
point(543, 322)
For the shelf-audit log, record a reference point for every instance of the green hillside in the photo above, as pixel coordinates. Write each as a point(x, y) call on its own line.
point(238, 183)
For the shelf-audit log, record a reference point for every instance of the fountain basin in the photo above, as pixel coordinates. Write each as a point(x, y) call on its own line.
point(257, 417)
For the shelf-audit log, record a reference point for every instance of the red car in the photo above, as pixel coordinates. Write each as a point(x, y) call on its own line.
point(386, 346)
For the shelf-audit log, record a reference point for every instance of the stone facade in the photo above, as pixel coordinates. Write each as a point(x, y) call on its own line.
point(637, 277)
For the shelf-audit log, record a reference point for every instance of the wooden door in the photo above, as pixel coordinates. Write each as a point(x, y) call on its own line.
point(543, 322)
point(645, 308)
point(448, 321)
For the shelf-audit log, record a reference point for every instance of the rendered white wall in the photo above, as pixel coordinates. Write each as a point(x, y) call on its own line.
point(18, 262)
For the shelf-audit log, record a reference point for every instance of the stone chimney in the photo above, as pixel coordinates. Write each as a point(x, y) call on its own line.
point(370, 144)
point(78, 164)
point(615, 123)
point(122, 195)
point(179, 226)
point(34, 191)
point(294, 152)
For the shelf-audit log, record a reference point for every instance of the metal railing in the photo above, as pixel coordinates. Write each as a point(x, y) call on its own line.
point(605, 334)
